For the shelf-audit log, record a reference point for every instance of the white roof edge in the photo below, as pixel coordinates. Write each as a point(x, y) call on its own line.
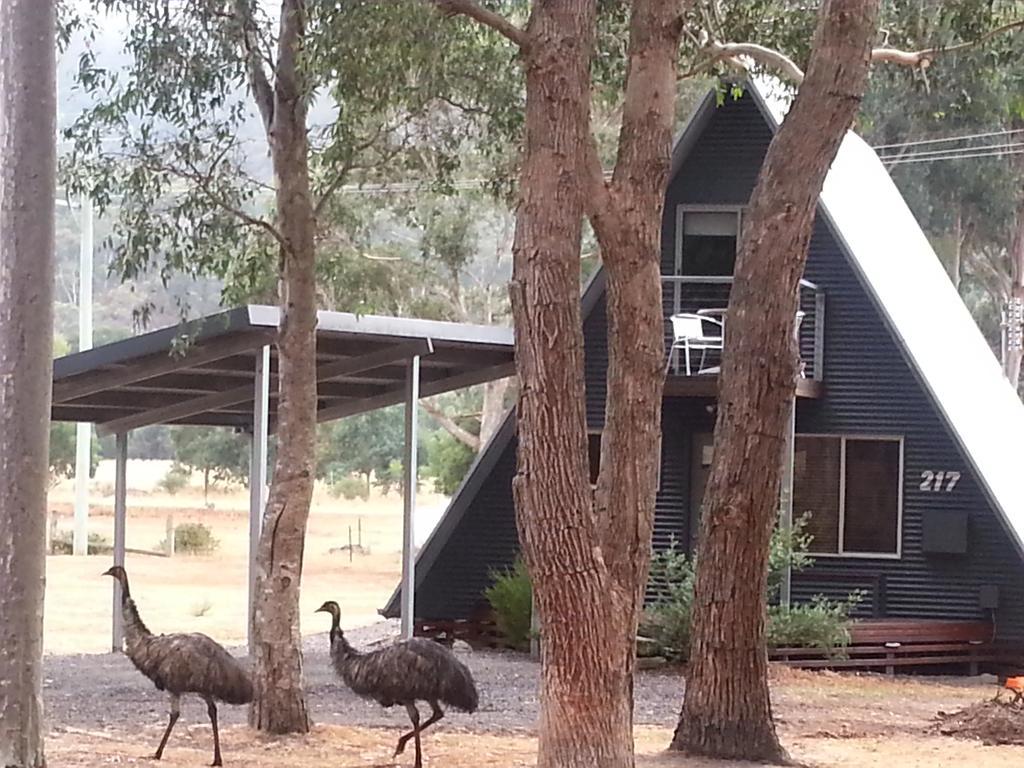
point(899, 268)
point(398, 327)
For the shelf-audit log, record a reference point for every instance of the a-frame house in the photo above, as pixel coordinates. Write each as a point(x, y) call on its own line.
point(907, 434)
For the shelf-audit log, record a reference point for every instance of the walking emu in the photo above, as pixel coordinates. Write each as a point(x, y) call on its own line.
point(182, 663)
point(403, 673)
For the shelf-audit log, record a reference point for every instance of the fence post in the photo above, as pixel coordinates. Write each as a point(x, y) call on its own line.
point(169, 542)
point(51, 531)
point(350, 543)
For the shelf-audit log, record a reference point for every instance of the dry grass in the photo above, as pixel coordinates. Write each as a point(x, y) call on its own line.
point(169, 591)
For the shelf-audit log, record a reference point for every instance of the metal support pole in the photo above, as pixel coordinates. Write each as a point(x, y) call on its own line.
point(257, 476)
point(534, 628)
point(83, 434)
point(412, 396)
point(120, 515)
point(786, 499)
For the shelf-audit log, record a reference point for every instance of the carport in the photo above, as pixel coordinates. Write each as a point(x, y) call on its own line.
point(222, 370)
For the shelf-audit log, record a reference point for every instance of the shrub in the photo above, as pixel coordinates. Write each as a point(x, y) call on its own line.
point(511, 598)
point(62, 543)
point(350, 487)
point(192, 539)
point(821, 623)
point(175, 479)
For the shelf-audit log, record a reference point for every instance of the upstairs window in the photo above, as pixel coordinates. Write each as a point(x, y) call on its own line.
point(707, 243)
point(851, 487)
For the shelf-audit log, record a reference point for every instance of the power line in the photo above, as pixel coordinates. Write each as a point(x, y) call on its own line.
point(966, 151)
point(956, 156)
point(948, 139)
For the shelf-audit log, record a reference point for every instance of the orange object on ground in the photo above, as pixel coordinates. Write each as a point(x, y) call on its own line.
point(1015, 684)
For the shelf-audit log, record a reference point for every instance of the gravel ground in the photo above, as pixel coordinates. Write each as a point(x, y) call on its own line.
point(100, 692)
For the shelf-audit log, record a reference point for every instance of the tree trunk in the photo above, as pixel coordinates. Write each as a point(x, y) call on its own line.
point(585, 712)
point(727, 711)
point(588, 555)
point(279, 705)
point(1014, 353)
point(493, 408)
point(206, 487)
point(27, 174)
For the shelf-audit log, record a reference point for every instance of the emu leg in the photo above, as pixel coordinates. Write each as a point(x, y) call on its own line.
point(414, 716)
point(175, 714)
point(211, 710)
point(436, 715)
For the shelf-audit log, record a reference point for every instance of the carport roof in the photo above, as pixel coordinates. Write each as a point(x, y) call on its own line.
point(204, 372)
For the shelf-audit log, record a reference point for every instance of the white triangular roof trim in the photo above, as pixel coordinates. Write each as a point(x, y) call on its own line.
point(940, 338)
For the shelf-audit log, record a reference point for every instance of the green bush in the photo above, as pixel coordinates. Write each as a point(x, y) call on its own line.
point(63, 544)
point(175, 479)
point(511, 598)
point(350, 487)
point(821, 623)
point(192, 539)
point(448, 460)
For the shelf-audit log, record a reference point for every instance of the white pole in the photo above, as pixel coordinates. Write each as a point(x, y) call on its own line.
point(787, 498)
point(83, 441)
point(120, 515)
point(412, 397)
point(257, 477)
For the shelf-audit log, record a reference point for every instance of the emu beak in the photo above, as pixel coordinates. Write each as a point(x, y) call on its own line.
point(108, 572)
point(322, 609)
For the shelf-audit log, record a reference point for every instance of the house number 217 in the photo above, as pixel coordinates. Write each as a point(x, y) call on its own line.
point(939, 481)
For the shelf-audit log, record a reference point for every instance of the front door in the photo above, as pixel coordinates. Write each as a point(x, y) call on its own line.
point(700, 470)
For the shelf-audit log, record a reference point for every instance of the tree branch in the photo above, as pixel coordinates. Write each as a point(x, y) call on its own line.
point(464, 436)
point(924, 57)
point(488, 18)
point(785, 66)
point(203, 182)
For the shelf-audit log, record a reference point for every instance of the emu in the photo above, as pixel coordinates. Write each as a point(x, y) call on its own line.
point(182, 663)
point(403, 673)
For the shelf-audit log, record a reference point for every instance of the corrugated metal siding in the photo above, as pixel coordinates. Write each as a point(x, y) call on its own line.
point(486, 538)
point(870, 389)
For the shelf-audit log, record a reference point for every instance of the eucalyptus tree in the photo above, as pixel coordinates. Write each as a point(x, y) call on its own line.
point(331, 92)
point(966, 193)
point(27, 170)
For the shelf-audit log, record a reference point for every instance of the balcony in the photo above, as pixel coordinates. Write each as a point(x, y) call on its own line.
point(707, 298)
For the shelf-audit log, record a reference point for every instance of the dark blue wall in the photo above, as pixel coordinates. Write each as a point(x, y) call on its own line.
point(870, 389)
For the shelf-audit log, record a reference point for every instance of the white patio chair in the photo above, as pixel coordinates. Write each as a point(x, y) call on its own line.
point(688, 334)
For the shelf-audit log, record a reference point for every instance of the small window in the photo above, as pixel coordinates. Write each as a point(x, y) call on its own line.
point(594, 454)
point(709, 242)
point(850, 487)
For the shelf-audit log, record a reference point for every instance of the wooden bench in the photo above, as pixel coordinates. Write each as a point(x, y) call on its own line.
point(891, 643)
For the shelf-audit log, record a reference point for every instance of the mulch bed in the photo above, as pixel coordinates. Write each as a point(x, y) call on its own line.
point(995, 721)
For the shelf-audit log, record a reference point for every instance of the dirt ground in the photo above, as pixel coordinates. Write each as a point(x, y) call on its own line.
point(100, 711)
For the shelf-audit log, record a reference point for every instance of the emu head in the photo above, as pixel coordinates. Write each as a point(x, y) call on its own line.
point(117, 572)
point(334, 609)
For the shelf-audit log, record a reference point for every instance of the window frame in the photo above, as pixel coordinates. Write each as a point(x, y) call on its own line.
point(684, 208)
point(843, 437)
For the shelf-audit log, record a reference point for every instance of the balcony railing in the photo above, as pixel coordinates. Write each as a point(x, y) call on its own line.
point(709, 297)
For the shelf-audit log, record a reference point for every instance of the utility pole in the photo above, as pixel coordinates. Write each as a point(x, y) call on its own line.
point(83, 443)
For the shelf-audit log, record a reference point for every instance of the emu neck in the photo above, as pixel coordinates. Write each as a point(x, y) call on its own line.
point(134, 628)
point(339, 645)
